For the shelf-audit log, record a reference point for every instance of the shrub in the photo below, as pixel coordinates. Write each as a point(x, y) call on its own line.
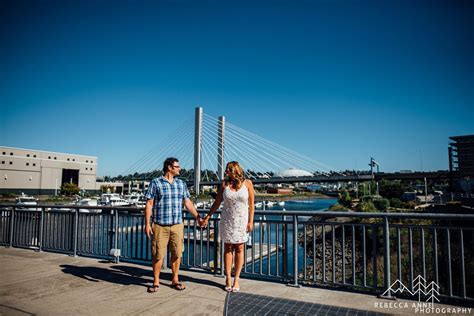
point(367, 206)
point(344, 198)
point(69, 189)
point(337, 208)
point(397, 203)
point(381, 204)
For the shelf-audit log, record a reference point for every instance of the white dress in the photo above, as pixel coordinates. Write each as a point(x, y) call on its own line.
point(235, 216)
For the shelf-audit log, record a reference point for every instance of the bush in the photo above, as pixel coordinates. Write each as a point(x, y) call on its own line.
point(344, 198)
point(337, 208)
point(391, 189)
point(397, 203)
point(381, 204)
point(69, 189)
point(367, 206)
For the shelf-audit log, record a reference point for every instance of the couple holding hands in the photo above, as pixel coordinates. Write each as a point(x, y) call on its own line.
point(164, 221)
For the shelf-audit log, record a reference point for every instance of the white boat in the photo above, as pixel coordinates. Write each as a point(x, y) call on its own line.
point(281, 203)
point(113, 201)
point(88, 202)
point(24, 202)
point(258, 205)
point(106, 197)
point(270, 203)
point(138, 200)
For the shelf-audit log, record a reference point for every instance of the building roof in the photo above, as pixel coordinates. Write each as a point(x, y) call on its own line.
point(294, 173)
point(463, 137)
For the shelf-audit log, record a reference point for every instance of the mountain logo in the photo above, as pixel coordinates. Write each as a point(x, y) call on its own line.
point(428, 292)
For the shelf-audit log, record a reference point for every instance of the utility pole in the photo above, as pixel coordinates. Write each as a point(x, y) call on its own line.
point(197, 149)
point(220, 147)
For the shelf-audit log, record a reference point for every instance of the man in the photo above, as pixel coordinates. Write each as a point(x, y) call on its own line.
point(165, 198)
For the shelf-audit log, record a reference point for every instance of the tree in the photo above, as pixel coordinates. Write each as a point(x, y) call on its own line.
point(391, 189)
point(344, 198)
point(367, 206)
point(70, 189)
point(105, 188)
point(381, 204)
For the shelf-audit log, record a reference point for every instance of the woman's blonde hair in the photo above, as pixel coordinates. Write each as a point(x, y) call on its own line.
point(235, 174)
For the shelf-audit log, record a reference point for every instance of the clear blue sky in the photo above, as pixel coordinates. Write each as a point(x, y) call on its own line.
point(339, 81)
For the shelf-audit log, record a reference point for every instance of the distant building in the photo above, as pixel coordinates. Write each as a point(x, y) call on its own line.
point(110, 187)
point(461, 155)
point(294, 173)
point(461, 161)
point(280, 190)
point(43, 172)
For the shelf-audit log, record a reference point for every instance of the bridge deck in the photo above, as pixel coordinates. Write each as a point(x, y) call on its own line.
point(56, 284)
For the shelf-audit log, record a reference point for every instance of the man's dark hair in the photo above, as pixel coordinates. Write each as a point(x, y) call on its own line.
point(168, 162)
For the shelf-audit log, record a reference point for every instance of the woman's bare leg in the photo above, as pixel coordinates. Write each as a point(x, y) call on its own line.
point(238, 262)
point(228, 249)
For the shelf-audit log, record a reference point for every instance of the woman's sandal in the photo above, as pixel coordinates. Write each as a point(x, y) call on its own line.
point(153, 288)
point(227, 288)
point(178, 286)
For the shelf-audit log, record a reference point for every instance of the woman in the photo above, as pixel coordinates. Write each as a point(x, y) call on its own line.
point(236, 220)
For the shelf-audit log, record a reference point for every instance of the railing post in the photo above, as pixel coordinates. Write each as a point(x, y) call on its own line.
point(12, 225)
point(295, 252)
point(74, 237)
point(41, 230)
point(221, 259)
point(117, 259)
point(386, 239)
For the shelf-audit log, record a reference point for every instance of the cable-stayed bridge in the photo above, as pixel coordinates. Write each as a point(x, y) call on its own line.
point(204, 144)
point(208, 144)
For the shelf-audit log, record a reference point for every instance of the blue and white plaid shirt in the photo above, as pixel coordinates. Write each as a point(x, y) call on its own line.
point(168, 200)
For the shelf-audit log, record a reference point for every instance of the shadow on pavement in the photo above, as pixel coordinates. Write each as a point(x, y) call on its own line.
point(127, 275)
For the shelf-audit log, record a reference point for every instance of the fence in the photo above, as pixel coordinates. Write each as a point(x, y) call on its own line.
point(359, 251)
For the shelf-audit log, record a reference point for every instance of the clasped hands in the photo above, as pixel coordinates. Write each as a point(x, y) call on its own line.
point(202, 222)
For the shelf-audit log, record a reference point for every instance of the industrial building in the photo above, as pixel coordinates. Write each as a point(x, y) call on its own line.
point(43, 172)
point(461, 162)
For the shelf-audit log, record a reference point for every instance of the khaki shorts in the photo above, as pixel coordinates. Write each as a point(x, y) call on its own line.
point(167, 236)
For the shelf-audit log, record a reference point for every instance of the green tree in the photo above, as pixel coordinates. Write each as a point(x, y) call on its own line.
point(106, 188)
point(69, 189)
point(367, 206)
point(381, 204)
point(344, 198)
point(391, 189)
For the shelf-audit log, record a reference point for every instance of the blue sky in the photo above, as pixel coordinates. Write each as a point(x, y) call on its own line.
point(338, 81)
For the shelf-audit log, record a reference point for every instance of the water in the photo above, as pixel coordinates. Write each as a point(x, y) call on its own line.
point(302, 205)
point(134, 244)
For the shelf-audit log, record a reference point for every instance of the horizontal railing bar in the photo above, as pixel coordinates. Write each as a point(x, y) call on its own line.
point(319, 212)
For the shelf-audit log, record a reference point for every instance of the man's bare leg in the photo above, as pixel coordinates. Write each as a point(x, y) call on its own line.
point(175, 263)
point(156, 270)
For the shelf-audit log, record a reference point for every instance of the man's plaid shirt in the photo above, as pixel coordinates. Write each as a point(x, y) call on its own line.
point(168, 200)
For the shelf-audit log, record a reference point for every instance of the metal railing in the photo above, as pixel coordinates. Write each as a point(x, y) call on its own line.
point(359, 251)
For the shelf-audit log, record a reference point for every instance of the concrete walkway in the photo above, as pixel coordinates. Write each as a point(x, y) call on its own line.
point(56, 284)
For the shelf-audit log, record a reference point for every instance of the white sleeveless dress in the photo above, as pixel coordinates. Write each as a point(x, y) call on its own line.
point(235, 216)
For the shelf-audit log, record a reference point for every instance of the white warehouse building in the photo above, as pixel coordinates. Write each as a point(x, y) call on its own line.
point(43, 172)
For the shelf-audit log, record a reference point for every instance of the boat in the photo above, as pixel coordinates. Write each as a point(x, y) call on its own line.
point(106, 197)
point(258, 205)
point(137, 200)
point(88, 202)
point(114, 201)
point(24, 202)
point(281, 203)
point(270, 203)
